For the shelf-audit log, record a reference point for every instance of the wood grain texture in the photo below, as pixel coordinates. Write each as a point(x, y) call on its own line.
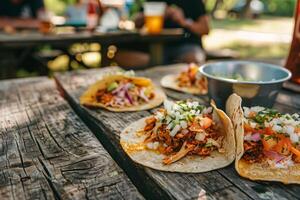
point(46, 151)
point(219, 184)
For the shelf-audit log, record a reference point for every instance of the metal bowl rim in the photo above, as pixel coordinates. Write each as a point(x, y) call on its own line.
point(289, 74)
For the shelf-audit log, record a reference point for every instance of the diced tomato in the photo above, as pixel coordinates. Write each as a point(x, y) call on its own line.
point(269, 143)
point(283, 146)
point(269, 131)
point(248, 128)
point(295, 151)
point(195, 126)
point(202, 124)
point(206, 122)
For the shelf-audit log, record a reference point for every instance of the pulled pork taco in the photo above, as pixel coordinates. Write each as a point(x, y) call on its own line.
point(181, 137)
point(188, 81)
point(267, 142)
point(121, 93)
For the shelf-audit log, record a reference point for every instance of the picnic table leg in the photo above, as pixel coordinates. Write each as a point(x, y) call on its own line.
point(8, 64)
point(156, 53)
point(105, 61)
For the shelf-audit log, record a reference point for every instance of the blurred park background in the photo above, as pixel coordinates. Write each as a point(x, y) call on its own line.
point(259, 31)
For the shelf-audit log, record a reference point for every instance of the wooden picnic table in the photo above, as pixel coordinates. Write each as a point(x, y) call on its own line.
point(219, 184)
point(48, 152)
point(32, 39)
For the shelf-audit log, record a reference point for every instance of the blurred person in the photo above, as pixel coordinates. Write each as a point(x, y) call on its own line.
point(20, 13)
point(77, 13)
point(247, 8)
point(189, 15)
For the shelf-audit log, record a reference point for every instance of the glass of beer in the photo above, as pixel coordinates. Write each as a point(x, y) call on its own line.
point(45, 24)
point(154, 16)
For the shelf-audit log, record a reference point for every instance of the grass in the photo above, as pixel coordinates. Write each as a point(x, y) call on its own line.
point(225, 34)
point(261, 51)
point(268, 24)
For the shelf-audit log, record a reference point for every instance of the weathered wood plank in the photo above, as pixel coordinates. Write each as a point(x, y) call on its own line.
point(46, 152)
point(178, 186)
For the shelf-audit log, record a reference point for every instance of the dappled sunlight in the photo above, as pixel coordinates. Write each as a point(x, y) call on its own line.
point(260, 38)
point(59, 64)
point(281, 25)
point(92, 59)
point(262, 50)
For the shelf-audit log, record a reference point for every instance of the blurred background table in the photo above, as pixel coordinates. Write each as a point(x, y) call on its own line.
point(22, 45)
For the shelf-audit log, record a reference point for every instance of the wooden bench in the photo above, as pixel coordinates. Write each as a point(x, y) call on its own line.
point(219, 184)
point(46, 151)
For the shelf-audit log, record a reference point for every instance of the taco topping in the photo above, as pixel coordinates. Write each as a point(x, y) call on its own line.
point(190, 78)
point(271, 137)
point(124, 93)
point(182, 128)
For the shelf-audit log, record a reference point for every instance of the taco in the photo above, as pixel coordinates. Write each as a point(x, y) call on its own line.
point(188, 81)
point(121, 93)
point(183, 136)
point(267, 142)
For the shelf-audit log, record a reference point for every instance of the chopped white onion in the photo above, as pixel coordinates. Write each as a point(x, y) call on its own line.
point(257, 109)
point(175, 130)
point(183, 124)
point(252, 124)
point(200, 136)
point(294, 137)
point(277, 128)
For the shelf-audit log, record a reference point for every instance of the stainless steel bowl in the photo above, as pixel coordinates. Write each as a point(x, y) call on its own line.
point(260, 84)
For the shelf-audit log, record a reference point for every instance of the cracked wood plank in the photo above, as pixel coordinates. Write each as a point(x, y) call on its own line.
point(46, 151)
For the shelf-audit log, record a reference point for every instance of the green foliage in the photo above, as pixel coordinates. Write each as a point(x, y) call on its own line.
point(58, 6)
point(263, 50)
point(226, 5)
point(272, 7)
point(280, 7)
point(136, 7)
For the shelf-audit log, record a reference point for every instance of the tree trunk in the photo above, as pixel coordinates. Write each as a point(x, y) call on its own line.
point(217, 4)
point(246, 11)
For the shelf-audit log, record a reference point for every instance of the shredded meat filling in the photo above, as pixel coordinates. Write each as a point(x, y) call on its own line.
point(182, 144)
point(253, 151)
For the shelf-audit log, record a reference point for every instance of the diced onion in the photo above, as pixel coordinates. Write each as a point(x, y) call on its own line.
point(252, 137)
point(200, 136)
point(252, 124)
point(255, 137)
point(277, 128)
point(184, 131)
point(257, 109)
point(289, 129)
point(183, 124)
point(294, 137)
point(175, 130)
